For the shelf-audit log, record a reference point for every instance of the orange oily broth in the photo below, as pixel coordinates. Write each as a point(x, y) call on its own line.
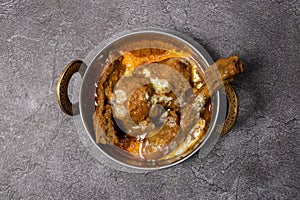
point(135, 58)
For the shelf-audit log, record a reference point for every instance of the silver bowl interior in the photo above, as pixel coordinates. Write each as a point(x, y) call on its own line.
point(92, 75)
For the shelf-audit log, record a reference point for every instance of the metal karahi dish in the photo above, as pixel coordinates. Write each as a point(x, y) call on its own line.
point(150, 99)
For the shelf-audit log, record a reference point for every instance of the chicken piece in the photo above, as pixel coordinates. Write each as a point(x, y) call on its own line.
point(174, 129)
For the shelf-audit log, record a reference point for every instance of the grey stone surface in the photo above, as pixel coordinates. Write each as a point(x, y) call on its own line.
point(41, 154)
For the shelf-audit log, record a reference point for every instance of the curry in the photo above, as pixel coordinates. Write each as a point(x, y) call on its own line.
point(155, 103)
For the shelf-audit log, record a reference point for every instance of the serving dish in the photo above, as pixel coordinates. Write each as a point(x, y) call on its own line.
point(159, 46)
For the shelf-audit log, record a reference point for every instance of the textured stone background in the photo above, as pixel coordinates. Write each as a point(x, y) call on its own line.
point(41, 154)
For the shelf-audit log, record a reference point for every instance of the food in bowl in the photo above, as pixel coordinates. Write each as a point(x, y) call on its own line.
point(154, 103)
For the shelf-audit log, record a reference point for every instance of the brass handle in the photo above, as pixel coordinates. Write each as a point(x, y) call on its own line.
point(232, 110)
point(62, 87)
